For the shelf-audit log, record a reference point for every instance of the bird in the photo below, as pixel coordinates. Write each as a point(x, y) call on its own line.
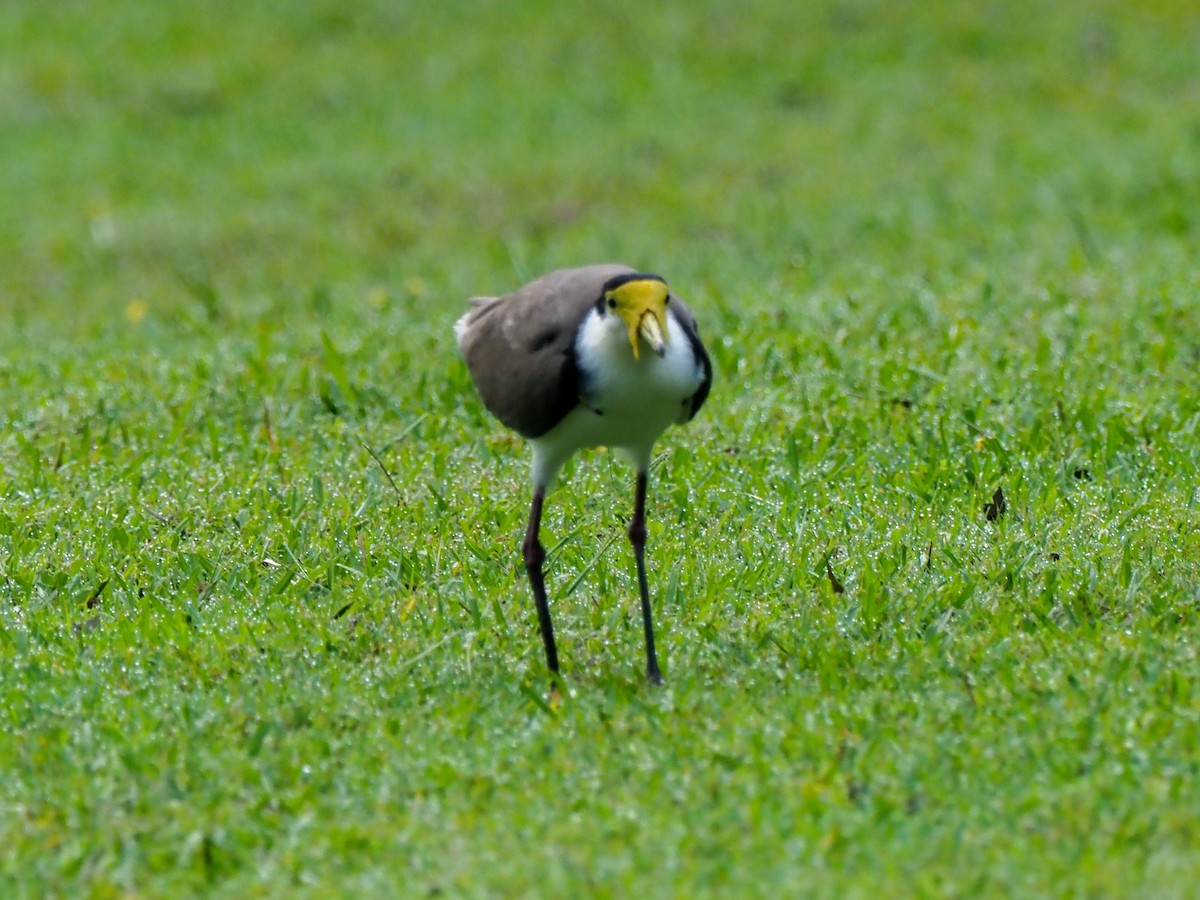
point(600, 355)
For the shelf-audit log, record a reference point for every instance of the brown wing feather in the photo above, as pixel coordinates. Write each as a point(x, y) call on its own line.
point(520, 348)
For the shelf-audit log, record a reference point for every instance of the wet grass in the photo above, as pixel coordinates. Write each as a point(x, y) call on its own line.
point(263, 624)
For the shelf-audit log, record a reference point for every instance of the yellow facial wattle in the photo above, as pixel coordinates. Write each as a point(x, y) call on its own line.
point(642, 305)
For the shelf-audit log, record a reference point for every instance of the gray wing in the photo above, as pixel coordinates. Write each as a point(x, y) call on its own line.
point(520, 348)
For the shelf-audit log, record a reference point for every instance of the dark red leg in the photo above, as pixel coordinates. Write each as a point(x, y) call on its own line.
point(534, 557)
point(637, 537)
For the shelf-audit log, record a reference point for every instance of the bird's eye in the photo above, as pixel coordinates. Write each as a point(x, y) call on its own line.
point(667, 302)
point(612, 302)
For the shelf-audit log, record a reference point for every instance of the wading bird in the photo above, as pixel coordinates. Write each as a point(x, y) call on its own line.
point(599, 355)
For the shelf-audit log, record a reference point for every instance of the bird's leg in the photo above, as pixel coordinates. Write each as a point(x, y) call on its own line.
point(637, 537)
point(534, 557)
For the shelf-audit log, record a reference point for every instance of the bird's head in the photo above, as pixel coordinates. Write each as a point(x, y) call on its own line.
point(641, 302)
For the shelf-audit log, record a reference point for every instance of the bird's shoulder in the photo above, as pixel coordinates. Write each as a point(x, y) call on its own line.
point(687, 321)
point(544, 313)
point(520, 347)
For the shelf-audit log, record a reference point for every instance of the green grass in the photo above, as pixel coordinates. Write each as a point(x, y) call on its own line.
point(936, 250)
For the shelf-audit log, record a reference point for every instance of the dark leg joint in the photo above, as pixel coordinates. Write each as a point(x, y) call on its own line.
point(534, 555)
point(637, 532)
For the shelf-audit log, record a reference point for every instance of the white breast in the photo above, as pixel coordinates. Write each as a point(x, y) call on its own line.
point(628, 402)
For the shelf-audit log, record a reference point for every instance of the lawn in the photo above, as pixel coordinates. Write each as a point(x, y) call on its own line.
point(264, 628)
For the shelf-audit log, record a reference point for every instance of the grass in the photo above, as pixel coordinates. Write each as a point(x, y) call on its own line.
point(263, 625)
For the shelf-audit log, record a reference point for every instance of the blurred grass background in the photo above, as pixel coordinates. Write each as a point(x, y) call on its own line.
point(935, 249)
point(170, 150)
